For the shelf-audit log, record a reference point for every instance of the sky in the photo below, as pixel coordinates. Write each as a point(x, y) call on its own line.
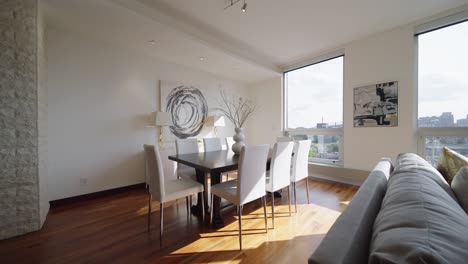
point(443, 72)
point(316, 92)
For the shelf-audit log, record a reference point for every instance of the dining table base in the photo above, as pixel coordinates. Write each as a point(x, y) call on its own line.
point(218, 220)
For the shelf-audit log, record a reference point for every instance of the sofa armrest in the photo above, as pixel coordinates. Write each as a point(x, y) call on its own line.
point(348, 240)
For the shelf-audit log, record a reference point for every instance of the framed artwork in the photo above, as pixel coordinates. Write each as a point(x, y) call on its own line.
point(376, 105)
point(188, 108)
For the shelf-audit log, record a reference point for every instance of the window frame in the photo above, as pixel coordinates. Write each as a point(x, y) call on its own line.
point(423, 132)
point(339, 132)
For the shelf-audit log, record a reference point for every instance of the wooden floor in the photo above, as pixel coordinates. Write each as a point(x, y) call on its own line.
point(112, 229)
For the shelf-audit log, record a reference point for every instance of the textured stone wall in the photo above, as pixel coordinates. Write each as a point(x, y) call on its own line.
point(19, 181)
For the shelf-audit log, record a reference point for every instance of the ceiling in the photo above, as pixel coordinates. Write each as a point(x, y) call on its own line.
point(247, 47)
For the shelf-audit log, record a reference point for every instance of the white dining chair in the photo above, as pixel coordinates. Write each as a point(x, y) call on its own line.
point(212, 144)
point(300, 167)
point(278, 177)
point(229, 142)
point(163, 190)
point(250, 183)
point(186, 146)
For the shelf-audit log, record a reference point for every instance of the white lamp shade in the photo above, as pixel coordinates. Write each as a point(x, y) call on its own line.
point(163, 119)
point(215, 121)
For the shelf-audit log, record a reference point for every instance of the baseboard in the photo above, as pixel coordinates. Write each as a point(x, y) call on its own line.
point(335, 179)
point(89, 196)
point(338, 174)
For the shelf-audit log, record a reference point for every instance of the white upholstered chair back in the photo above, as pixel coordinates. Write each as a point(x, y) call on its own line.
point(212, 144)
point(252, 171)
point(280, 167)
point(300, 163)
point(155, 171)
point(229, 142)
point(186, 146)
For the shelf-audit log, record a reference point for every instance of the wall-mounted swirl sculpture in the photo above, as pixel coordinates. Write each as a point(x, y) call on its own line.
point(188, 108)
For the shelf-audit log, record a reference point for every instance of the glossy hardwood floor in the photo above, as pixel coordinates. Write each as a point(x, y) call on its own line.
point(112, 229)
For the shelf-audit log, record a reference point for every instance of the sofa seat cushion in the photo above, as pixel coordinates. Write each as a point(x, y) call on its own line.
point(420, 220)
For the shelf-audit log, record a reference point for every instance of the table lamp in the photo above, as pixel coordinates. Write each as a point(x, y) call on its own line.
point(162, 119)
point(215, 121)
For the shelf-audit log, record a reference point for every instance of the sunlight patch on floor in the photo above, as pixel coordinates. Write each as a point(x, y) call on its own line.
point(287, 228)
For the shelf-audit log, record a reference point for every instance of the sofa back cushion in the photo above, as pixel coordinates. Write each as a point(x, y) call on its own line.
point(420, 220)
point(348, 240)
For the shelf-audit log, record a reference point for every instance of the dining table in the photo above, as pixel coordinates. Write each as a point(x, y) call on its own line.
point(212, 164)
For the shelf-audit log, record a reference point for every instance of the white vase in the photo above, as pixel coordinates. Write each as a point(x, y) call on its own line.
point(239, 139)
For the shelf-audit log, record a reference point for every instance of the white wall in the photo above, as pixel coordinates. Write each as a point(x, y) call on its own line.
point(265, 124)
point(99, 98)
point(42, 123)
point(387, 56)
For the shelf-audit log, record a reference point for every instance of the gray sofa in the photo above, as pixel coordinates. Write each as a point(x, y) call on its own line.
point(405, 213)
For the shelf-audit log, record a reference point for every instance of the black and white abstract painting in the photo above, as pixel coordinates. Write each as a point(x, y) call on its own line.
point(188, 108)
point(376, 105)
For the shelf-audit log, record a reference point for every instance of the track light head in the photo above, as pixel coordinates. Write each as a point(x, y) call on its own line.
point(244, 7)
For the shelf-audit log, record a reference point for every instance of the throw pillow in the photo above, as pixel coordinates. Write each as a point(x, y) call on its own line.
point(460, 187)
point(450, 162)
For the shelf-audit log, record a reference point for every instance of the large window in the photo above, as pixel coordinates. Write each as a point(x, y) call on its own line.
point(314, 108)
point(443, 90)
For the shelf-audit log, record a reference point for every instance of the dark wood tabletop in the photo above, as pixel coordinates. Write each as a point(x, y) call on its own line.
point(208, 162)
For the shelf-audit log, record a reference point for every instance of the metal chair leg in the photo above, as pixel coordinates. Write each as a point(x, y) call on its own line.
point(161, 213)
point(307, 186)
point(264, 213)
point(203, 206)
point(273, 209)
point(150, 197)
point(211, 208)
point(240, 227)
point(295, 197)
point(289, 199)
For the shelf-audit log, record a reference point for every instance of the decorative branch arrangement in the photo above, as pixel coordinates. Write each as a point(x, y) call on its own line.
point(236, 109)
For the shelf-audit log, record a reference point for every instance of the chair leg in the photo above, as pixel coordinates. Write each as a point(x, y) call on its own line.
point(161, 213)
point(307, 186)
point(240, 227)
point(203, 206)
point(273, 209)
point(289, 199)
point(295, 197)
point(211, 208)
point(264, 213)
point(149, 210)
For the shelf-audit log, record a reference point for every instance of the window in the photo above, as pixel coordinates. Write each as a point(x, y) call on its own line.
point(314, 108)
point(443, 90)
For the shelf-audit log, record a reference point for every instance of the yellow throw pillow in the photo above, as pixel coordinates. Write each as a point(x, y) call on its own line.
point(450, 162)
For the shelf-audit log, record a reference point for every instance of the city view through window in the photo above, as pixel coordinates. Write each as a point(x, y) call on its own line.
point(315, 101)
point(443, 87)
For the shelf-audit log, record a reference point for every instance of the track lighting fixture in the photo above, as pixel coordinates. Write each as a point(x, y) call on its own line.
point(233, 2)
